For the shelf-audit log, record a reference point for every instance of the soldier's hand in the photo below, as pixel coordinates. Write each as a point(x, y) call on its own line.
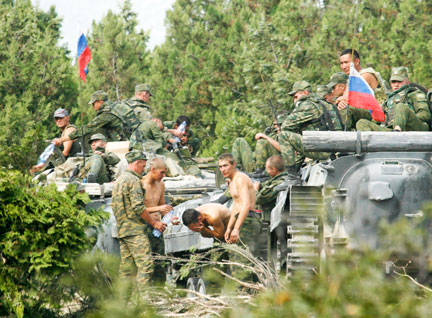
point(234, 237)
point(227, 235)
point(341, 102)
point(177, 133)
point(158, 225)
point(260, 136)
point(164, 209)
point(57, 142)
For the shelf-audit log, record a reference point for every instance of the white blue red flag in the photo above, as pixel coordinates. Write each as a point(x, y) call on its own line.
point(84, 57)
point(361, 95)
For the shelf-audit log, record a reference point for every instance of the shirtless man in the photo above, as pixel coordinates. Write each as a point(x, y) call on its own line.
point(243, 209)
point(210, 214)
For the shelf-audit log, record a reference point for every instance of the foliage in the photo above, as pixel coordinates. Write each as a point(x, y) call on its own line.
point(36, 79)
point(42, 232)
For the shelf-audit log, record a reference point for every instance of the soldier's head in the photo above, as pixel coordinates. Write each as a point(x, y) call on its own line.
point(180, 119)
point(158, 169)
point(338, 82)
point(136, 161)
point(97, 99)
point(97, 142)
point(275, 165)
point(227, 164)
point(399, 77)
point(159, 123)
point(300, 89)
point(345, 59)
point(142, 91)
point(62, 118)
point(193, 219)
point(326, 92)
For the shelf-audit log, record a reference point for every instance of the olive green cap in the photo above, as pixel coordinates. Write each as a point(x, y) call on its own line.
point(399, 74)
point(98, 95)
point(338, 78)
point(135, 155)
point(323, 90)
point(300, 86)
point(97, 137)
point(143, 88)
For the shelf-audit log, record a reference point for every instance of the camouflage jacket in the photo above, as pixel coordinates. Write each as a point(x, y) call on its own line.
point(413, 97)
point(305, 116)
point(128, 204)
point(109, 159)
point(76, 147)
point(141, 109)
point(105, 122)
point(127, 114)
point(147, 137)
point(266, 196)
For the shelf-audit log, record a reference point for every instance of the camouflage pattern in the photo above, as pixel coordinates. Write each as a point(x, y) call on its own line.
point(399, 74)
point(323, 90)
point(76, 147)
point(98, 96)
point(300, 86)
point(141, 109)
point(105, 122)
point(338, 78)
point(292, 151)
point(264, 150)
point(135, 260)
point(127, 114)
point(157, 248)
point(135, 155)
point(99, 166)
point(147, 137)
point(305, 116)
point(243, 155)
point(351, 115)
point(266, 195)
point(143, 88)
point(250, 230)
point(406, 107)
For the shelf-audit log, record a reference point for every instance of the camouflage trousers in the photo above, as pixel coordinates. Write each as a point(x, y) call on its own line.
point(292, 151)
point(352, 115)
point(403, 116)
point(189, 166)
point(96, 165)
point(250, 161)
point(136, 259)
point(157, 248)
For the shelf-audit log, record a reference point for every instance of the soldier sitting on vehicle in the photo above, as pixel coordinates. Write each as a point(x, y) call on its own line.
point(189, 143)
point(97, 167)
point(106, 122)
point(205, 216)
point(325, 92)
point(406, 108)
point(139, 102)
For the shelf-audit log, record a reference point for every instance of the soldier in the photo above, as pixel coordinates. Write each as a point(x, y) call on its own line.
point(338, 84)
point(131, 216)
point(309, 113)
point(210, 214)
point(66, 149)
point(97, 166)
point(139, 102)
point(187, 139)
point(243, 213)
point(325, 92)
point(406, 107)
point(106, 121)
point(266, 194)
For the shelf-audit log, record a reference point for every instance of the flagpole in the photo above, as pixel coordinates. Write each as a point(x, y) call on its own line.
point(352, 56)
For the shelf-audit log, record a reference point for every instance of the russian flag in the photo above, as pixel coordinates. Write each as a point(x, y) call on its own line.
point(361, 95)
point(84, 56)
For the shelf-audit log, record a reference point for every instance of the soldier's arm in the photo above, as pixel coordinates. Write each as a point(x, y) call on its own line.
point(93, 126)
point(111, 159)
point(301, 115)
point(243, 208)
point(419, 101)
point(267, 193)
point(218, 231)
point(271, 141)
point(157, 134)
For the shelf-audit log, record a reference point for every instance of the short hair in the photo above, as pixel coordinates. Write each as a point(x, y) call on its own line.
point(350, 51)
point(180, 119)
point(227, 156)
point(157, 163)
point(190, 216)
point(276, 162)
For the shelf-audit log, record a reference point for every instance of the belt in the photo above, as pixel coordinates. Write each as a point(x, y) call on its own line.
point(254, 214)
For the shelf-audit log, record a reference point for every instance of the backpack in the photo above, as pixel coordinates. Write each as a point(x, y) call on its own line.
point(127, 115)
point(330, 118)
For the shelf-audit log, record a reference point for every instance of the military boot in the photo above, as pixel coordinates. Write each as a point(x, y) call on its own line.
point(260, 173)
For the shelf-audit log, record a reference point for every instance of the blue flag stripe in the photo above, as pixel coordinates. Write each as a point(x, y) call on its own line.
point(82, 44)
point(356, 84)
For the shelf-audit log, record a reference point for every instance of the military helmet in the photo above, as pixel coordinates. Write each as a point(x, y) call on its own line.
point(135, 155)
point(323, 90)
point(98, 95)
point(97, 137)
point(143, 88)
point(399, 74)
point(338, 78)
point(300, 86)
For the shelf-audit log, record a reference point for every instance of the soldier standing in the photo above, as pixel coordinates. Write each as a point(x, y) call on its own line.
point(131, 215)
point(406, 107)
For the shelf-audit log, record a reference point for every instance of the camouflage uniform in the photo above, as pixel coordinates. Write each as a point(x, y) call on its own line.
point(141, 109)
point(266, 195)
point(99, 166)
point(127, 115)
point(310, 113)
point(193, 142)
point(406, 107)
point(147, 137)
point(127, 205)
point(106, 121)
point(75, 145)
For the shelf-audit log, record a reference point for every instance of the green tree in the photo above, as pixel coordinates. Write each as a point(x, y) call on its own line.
point(36, 79)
